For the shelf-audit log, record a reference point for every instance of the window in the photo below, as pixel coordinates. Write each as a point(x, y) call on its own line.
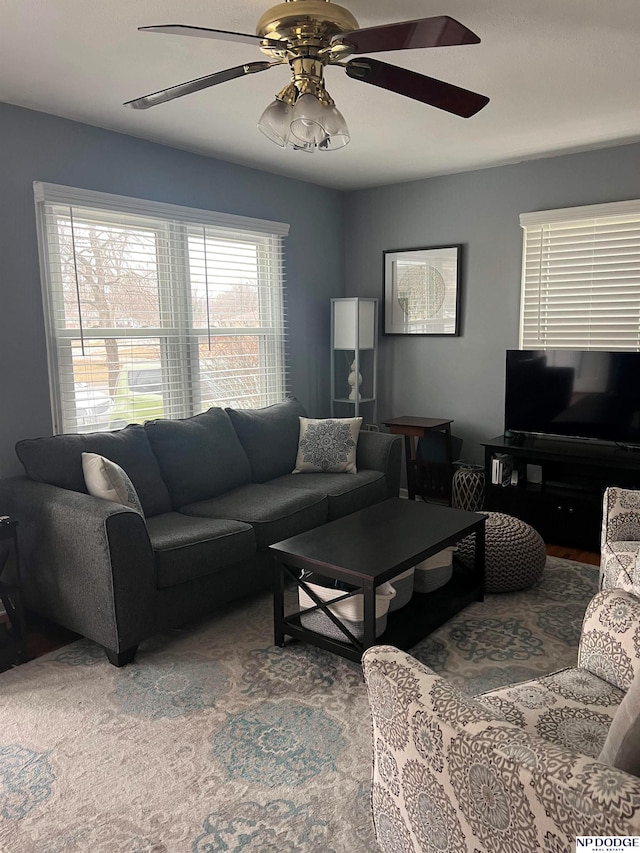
point(581, 278)
point(156, 310)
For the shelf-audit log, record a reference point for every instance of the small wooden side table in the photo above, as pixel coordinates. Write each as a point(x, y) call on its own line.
point(412, 428)
point(13, 639)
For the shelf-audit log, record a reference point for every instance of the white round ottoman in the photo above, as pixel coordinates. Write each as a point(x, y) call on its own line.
point(514, 553)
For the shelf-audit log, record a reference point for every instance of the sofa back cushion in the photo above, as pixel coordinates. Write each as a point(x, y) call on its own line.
point(57, 460)
point(199, 457)
point(269, 437)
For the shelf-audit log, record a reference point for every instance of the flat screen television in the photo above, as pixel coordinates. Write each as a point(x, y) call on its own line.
point(574, 394)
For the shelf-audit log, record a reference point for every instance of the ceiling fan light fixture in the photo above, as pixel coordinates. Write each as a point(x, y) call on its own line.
point(336, 128)
point(275, 122)
point(317, 124)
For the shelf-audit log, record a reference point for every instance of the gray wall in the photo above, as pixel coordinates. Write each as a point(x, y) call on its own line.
point(36, 146)
point(463, 378)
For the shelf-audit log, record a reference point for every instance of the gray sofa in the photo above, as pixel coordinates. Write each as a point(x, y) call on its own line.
point(216, 490)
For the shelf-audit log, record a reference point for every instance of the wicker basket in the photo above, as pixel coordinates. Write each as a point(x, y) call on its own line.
point(403, 585)
point(435, 571)
point(350, 611)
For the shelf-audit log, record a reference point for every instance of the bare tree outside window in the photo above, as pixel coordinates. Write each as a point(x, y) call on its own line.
point(154, 317)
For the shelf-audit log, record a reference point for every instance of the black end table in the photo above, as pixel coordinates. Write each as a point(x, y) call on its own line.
point(413, 428)
point(13, 637)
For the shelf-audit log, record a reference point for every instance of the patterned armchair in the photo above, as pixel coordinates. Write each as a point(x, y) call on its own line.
point(513, 770)
point(620, 540)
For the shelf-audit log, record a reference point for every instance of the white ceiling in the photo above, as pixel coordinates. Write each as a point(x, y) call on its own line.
point(562, 76)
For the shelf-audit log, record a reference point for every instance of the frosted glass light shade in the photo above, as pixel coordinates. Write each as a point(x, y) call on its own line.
point(275, 122)
point(319, 125)
point(337, 131)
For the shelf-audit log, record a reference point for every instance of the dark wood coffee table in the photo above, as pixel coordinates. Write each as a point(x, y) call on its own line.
point(369, 547)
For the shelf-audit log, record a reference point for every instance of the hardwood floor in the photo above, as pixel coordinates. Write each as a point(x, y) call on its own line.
point(44, 636)
point(589, 557)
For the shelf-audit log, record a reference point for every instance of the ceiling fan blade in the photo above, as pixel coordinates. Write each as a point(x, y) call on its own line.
point(441, 31)
point(196, 85)
point(444, 96)
point(205, 32)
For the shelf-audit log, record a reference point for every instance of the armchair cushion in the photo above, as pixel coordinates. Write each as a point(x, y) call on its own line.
point(610, 638)
point(622, 746)
point(572, 708)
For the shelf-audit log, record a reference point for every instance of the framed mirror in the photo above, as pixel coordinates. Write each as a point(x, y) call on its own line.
point(422, 291)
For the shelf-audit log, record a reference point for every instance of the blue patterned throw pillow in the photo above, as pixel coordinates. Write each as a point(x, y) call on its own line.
point(327, 445)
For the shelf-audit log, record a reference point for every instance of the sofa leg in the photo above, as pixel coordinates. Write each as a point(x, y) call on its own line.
point(121, 658)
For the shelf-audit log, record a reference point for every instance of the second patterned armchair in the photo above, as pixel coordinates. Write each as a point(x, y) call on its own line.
point(523, 768)
point(620, 540)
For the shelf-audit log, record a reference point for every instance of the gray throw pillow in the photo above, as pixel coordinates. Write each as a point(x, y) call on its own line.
point(327, 445)
point(622, 747)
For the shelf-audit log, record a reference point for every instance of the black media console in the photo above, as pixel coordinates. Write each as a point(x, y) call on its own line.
point(565, 506)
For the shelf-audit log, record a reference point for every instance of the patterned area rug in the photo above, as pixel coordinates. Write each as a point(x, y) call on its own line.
point(214, 740)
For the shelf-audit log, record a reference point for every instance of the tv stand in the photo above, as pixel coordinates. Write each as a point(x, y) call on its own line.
point(565, 506)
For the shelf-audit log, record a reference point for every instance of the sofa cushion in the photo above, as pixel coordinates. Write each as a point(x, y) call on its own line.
point(57, 460)
point(269, 437)
point(186, 547)
point(274, 512)
point(327, 445)
point(346, 492)
point(199, 457)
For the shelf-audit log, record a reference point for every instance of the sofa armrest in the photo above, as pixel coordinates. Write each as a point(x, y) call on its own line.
point(379, 451)
point(449, 776)
point(86, 563)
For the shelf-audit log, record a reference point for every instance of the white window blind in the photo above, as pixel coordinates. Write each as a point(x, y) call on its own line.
point(156, 310)
point(581, 278)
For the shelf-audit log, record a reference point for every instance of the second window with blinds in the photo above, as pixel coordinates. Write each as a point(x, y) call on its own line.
point(156, 310)
point(581, 278)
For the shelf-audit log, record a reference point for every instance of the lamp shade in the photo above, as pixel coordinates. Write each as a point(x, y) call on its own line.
point(354, 323)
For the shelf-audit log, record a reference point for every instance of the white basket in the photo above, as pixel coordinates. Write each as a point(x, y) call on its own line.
point(351, 609)
point(403, 585)
point(350, 612)
point(435, 571)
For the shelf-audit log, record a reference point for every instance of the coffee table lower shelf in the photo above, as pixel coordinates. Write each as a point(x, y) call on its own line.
point(406, 626)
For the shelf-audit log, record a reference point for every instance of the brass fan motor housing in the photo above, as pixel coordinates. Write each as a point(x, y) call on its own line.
point(308, 24)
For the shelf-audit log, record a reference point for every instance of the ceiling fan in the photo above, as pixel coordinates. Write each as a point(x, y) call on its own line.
point(309, 35)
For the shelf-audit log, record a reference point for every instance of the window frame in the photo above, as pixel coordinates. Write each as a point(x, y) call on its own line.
point(614, 214)
point(178, 339)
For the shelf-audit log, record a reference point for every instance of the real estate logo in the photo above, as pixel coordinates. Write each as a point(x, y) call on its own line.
point(610, 843)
